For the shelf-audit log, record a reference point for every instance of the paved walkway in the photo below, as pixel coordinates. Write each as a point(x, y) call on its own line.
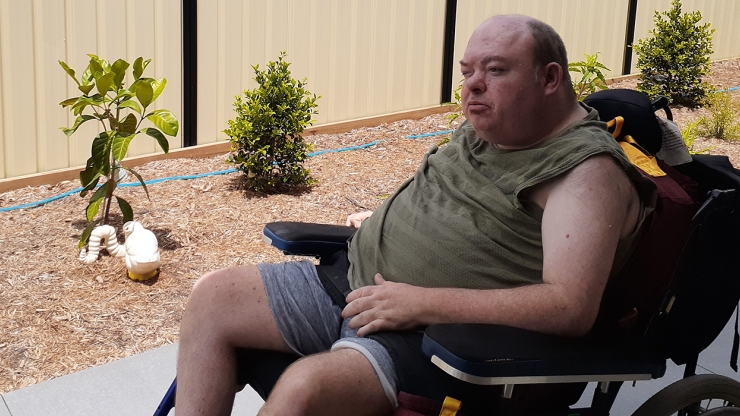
point(135, 385)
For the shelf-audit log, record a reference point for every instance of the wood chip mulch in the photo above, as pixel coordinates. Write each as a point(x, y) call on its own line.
point(59, 315)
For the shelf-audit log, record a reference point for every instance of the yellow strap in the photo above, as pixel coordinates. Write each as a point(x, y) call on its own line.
point(617, 122)
point(450, 407)
point(632, 149)
point(648, 164)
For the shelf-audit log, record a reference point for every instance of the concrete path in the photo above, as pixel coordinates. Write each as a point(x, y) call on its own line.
point(135, 386)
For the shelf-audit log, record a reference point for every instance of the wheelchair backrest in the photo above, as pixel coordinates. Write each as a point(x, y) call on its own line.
point(705, 287)
point(683, 280)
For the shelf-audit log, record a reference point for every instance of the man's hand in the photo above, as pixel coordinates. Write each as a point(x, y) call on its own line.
point(388, 306)
point(356, 219)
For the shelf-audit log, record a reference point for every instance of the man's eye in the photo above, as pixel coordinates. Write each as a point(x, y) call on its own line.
point(495, 69)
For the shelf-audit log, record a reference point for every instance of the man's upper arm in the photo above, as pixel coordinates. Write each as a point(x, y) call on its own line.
point(586, 211)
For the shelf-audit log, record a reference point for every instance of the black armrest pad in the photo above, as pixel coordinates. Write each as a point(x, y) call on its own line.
point(500, 351)
point(302, 238)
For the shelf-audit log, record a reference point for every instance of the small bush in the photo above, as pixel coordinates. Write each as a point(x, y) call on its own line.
point(266, 141)
point(592, 79)
point(690, 133)
point(674, 60)
point(722, 121)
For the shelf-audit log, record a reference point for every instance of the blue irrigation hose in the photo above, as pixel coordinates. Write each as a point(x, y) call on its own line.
point(174, 178)
point(122, 185)
point(731, 89)
point(437, 133)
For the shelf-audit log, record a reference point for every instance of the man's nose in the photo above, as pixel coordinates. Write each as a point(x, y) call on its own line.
point(475, 82)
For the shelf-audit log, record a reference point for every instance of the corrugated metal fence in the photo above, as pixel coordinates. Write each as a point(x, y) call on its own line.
point(364, 57)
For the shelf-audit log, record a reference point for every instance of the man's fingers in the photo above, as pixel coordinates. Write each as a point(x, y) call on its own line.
point(357, 293)
point(379, 279)
point(372, 327)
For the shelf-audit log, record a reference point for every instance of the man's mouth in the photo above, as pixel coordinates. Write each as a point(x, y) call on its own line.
point(476, 106)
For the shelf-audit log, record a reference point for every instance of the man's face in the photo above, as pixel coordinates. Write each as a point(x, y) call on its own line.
point(500, 94)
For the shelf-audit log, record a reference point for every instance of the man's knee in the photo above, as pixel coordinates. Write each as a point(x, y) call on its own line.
point(234, 283)
point(329, 383)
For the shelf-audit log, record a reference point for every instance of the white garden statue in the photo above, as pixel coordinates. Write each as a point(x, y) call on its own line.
point(141, 249)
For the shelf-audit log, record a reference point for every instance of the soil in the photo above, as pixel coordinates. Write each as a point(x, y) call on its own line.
point(59, 315)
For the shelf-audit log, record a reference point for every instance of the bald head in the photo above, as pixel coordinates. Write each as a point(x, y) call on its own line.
point(545, 43)
point(517, 90)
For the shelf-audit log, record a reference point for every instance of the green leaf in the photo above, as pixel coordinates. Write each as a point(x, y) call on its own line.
point(78, 122)
point(144, 93)
point(119, 68)
point(158, 86)
point(128, 125)
point(92, 185)
point(86, 88)
point(89, 174)
point(69, 101)
point(95, 201)
point(139, 66)
point(120, 146)
point(141, 180)
point(163, 143)
point(69, 71)
point(86, 234)
point(165, 121)
point(104, 82)
point(128, 212)
point(100, 193)
point(96, 66)
point(92, 209)
point(101, 152)
point(131, 104)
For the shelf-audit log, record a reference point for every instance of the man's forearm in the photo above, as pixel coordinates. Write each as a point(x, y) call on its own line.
point(543, 308)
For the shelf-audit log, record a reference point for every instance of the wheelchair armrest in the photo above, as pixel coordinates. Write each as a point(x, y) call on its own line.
point(494, 354)
point(307, 239)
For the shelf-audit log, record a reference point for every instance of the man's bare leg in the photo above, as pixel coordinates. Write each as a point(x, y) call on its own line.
point(227, 309)
point(340, 382)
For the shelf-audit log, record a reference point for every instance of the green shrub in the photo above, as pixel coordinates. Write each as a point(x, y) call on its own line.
point(722, 121)
point(690, 133)
point(592, 79)
point(674, 60)
point(266, 141)
point(115, 108)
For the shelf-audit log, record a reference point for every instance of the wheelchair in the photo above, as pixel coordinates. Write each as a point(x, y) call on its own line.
point(697, 299)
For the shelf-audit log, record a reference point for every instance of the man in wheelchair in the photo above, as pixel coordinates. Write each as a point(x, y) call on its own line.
point(520, 221)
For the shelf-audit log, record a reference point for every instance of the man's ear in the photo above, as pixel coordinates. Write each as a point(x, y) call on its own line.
point(552, 76)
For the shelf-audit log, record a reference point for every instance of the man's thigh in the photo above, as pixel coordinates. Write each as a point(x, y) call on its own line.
point(304, 313)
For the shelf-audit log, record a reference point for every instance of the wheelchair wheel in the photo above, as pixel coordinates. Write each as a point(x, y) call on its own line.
point(706, 394)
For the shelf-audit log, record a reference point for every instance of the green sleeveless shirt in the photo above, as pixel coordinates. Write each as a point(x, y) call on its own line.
point(459, 221)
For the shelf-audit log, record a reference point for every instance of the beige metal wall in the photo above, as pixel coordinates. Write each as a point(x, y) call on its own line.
point(35, 34)
point(722, 14)
point(586, 26)
point(364, 57)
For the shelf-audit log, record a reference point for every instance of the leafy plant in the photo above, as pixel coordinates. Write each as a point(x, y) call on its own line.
point(674, 60)
point(723, 113)
point(690, 134)
point(115, 107)
point(266, 141)
point(592, 78)
point(455, 113)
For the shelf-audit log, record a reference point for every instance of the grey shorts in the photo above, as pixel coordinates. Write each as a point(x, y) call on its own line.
point(310, 323)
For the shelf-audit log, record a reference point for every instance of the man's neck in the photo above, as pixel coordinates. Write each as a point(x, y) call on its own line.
point(577, 112)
